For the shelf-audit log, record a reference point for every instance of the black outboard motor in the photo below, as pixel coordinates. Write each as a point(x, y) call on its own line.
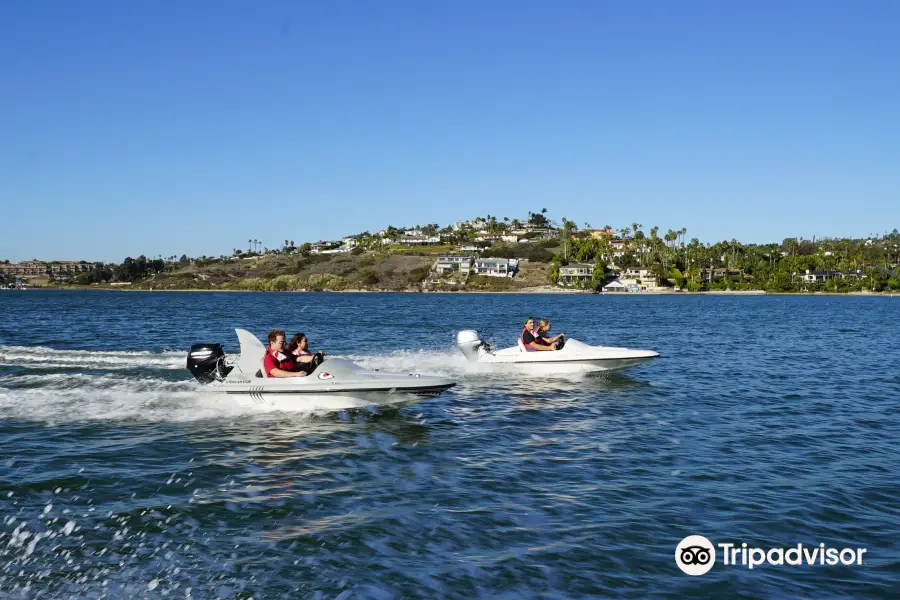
point(206, 362)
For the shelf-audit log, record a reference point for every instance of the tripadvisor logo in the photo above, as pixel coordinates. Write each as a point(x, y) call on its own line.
point(696, 555)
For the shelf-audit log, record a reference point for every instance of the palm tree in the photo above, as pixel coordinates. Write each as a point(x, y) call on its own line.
point(670, 237)
point(249, 245)
point(639, 244)
point(604, 249)
point(568, 228)
point(694, 248)
point(638, 239)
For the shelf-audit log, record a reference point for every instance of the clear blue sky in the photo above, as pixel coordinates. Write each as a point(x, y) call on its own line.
point(188, 127)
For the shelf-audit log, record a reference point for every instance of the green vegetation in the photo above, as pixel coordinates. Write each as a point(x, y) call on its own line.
point(794, 265)
point(537, 252)
point(401, 259)
point(482, 283)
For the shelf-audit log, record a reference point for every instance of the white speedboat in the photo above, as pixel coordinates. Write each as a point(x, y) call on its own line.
point(573, 358)
point(334, 385)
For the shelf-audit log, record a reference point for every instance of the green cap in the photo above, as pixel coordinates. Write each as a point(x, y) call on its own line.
point(528, 318)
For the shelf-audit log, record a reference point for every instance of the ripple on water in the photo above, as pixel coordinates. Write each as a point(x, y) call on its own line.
point(120, 480)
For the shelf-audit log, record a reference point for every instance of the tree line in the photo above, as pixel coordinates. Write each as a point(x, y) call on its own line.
point(847, 264)
point(836, 264)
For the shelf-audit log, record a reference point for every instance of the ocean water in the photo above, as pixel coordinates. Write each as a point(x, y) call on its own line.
point(770, 421)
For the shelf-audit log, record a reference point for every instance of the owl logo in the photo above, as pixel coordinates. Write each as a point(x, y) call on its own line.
point(695, 555)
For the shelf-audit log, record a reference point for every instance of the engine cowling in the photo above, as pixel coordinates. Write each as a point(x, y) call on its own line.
point(206, 362)
point(470, 343)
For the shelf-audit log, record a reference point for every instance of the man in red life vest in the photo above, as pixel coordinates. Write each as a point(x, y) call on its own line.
point(277, 363)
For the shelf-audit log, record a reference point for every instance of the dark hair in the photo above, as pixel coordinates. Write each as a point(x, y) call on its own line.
point(295, 342)
point(273, 335)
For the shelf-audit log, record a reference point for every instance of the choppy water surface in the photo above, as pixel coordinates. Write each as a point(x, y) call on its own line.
point(770, 420)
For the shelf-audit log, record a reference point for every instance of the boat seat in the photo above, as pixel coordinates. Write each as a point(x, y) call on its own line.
point(262, 368)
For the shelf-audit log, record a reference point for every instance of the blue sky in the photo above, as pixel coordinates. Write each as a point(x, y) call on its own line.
point(189, 127)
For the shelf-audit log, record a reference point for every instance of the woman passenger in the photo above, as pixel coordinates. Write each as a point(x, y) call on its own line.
point(299, 349)
point(544, 331)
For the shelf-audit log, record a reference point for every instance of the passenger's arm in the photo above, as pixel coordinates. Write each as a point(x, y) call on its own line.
point(536, 346)
point(280, 373)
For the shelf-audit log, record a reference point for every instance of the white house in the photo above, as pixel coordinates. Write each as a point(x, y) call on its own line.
point(419, 240)
point(639, 278)
point(638, 273)
point(450, 264)
point(325, 247)
point(817, 276)
point(493, 267)
point(619, 247)
point(478, 224)
point(575, 273)
point(540, 232)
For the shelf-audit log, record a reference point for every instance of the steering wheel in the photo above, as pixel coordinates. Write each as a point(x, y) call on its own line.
point(560, 343)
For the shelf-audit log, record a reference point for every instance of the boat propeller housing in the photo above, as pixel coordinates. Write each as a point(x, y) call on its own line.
point(470, 343)
point(206, 362)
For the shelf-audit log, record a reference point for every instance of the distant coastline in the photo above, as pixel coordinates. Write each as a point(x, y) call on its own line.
point(493, 255)
point(538, 290)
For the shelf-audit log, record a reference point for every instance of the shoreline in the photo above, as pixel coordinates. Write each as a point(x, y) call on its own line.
point(545, 290)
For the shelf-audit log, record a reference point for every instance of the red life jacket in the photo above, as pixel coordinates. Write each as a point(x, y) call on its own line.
point(272, 361)
point(528, 348)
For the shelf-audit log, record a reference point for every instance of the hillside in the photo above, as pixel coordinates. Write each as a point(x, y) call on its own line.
point(330, 272)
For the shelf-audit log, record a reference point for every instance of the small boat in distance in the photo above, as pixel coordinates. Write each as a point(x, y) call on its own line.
point(574, 357)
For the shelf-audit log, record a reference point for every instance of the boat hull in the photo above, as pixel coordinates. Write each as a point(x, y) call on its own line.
point(335, 384)
point(331, 401)
point(574, 357)
point(566, 367)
